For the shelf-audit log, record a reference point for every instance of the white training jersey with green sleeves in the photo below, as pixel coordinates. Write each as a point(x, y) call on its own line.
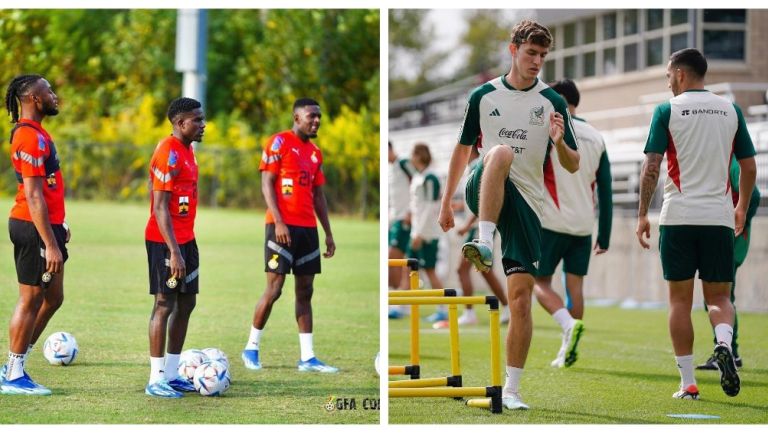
point(425, 205)
point(400, 173)
point(503, 115)
point(569, 205)
point(699, 131)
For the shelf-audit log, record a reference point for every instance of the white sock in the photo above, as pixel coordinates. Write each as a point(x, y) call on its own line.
point(26, 355)
point(685, 365)
point(512, 384)
point(156, 369)
point(171, 365)
point(15, 366)
point(307, 351)
point(486, 231)
point(724, 333)
point(564, 318)
point(254, 339)
point(469, 312)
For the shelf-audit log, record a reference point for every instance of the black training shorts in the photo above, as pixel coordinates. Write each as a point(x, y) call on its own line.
point(302, 256)
point(29, 249)
point(159, 260)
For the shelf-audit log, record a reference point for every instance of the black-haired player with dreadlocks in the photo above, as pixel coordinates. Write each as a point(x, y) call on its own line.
point(171, 248)
point(36, 226)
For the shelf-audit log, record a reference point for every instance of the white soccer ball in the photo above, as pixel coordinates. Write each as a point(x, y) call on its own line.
point(215, 354)
point(212, 379)
point(60, 348)
point(376, 363)
point(189, 360)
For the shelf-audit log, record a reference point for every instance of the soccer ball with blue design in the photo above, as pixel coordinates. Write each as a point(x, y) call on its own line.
point(189, 360)
point(212, 379)
point(60, 348)
point(215, 354)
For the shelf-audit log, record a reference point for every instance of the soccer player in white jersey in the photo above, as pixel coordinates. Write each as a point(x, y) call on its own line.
point(520, 119)
point(567, 222)
point(698, 131)
point(425, 206)
point(400, 174)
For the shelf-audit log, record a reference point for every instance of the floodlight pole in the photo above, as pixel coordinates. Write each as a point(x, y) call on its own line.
point(191, 49)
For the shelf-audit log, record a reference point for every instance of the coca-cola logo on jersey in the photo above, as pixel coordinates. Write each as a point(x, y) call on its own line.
point(515, 134)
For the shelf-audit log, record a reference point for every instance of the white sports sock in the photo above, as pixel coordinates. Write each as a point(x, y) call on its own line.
point(685, 365)
point(15, 366)
point(26, 355)
point(512, 384)
point(254, 339)
point(171, 365)
point(156, 369)
point(724, 333)
point(564, 318)
point(486, 231)
point(307, 351)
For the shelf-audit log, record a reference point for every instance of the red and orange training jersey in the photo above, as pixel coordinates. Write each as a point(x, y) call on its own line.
point(174, 169)
point(297, 166)
point(33, 154)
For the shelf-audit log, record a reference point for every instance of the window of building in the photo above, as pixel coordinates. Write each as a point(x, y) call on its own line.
point(609, 26)
point(724, 45)
point(569, 35)
point(609, 62)
point(569, 67)
point(630, 57)
point(590, 59)
point(630, 22)
point(549, 71)
point(654, 19)
point(654, 54)
point(678, 41)
point(590, 30)
point(678, 16)
point(725, 15)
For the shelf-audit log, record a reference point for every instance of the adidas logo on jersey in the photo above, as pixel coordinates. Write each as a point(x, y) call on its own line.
point(495, 112)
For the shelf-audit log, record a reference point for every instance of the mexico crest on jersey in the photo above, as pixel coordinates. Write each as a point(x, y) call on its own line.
point(537, 116)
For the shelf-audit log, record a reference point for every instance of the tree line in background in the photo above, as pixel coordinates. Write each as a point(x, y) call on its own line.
point(113, 71)
point(410, 32)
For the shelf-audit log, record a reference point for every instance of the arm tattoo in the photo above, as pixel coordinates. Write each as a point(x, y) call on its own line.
point(649, 177)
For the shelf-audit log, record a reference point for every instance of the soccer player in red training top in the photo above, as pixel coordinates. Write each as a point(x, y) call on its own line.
point(36, 226)
point(292, 183)
point(171, 248)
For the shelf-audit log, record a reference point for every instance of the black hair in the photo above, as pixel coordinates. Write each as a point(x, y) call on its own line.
point(182, 105)
point(691, 59)
point(567, 88)
point(19, 85)
point(303, 102)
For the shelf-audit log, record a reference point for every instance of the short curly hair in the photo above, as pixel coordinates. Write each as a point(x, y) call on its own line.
point(182, 105)
point(531, 31)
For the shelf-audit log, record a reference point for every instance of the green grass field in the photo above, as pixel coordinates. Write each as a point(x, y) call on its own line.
point(107, 308)
point(625, 374)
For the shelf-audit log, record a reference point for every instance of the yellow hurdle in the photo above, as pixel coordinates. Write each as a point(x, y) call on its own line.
point(412, 370)
point(450, 386)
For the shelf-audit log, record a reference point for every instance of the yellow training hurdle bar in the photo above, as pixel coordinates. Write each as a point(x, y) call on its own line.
point(450, 386)
point(413, 369)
